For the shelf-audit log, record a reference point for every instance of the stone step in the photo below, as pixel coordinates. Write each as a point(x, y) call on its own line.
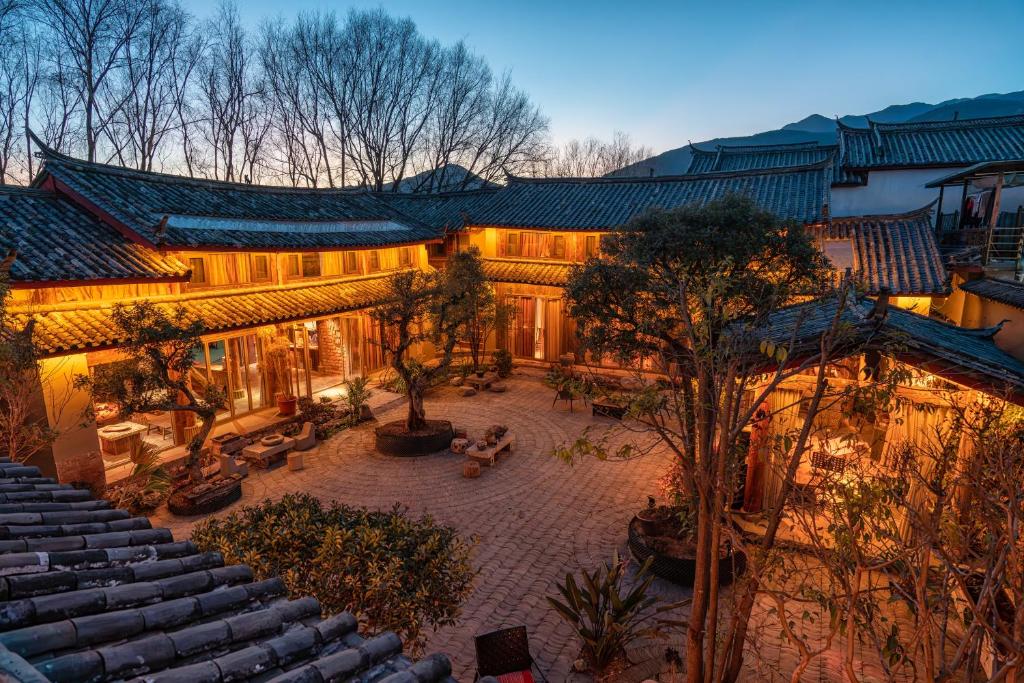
point(33, 611)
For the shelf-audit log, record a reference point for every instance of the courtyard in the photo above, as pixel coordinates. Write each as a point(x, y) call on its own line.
point(532, 517)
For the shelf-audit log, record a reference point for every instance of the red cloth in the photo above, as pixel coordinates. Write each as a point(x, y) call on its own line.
point(516, 677)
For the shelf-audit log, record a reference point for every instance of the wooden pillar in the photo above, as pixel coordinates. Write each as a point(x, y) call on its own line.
point(757, 457)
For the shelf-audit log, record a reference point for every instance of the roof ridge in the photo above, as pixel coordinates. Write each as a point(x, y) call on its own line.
point(915, 213)
point(138, 174)
point(782, 170)
point(1012, 119)
point(6, 188)
point(197, 296)
point(433, 195)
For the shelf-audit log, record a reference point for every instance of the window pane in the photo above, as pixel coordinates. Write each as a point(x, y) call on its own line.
point(374, 260)
point(350, 262)
point(512, 244)
point(198, 266)
point(293, 265)
point(310, 265)
point(558, 251)
point(260, 268)
point(405, 256)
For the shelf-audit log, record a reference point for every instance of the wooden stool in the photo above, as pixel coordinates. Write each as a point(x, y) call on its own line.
point(295, 461)
point(471, 469)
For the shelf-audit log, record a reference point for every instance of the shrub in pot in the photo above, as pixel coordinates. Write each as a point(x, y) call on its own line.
point(608, 618)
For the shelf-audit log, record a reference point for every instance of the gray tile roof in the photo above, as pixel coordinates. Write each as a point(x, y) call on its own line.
point(526, 272)
point(762, 157)
point(1002, 291)
point(897, 252)
point(607, 203)
point(60, 329)
point(92, 594)
point(966, 356)
point(441, 211)
point(932, 143)
point(59, 242)
point(140, 200)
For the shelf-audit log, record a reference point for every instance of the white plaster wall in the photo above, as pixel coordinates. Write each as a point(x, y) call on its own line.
point(899, 191)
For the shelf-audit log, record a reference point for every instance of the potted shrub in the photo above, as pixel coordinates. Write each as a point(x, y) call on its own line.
point(278, 358)
point(502, 359)
point(655, 519)
point(358, 392)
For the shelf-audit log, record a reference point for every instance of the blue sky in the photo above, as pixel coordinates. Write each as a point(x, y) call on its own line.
point(666, 72)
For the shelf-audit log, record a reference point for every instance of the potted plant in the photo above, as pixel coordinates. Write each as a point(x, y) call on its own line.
point(279, 366)
point(654, 519)
point(358, 392)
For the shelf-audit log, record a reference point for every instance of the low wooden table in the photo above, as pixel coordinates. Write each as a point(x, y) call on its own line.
point(118, 440)
point(604, 409)
point(265, 456)
point(490, 454)
point(481, 383)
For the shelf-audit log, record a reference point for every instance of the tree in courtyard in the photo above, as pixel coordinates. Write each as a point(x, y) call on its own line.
point(159, 347)
point(687, 294)
point(482, 311)
point(425, 308)
point(24, 428)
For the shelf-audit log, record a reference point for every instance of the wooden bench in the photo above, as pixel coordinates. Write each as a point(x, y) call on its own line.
point(490, 454)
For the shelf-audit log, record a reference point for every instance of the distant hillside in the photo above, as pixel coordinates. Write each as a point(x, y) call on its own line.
point(821, 129)
point(444, 179)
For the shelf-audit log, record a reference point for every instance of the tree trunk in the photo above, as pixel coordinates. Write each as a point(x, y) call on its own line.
point(416, 419)
point(194, 462)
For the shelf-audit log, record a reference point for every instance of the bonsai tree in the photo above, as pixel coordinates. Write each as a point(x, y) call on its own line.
point(484, 313)
point(427, 308)
point(687, 293)
point(159, 346)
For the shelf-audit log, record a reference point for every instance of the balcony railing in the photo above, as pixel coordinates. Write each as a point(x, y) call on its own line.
point(1002, 243)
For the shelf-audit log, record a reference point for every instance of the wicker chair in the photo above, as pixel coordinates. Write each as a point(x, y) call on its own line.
point(505, 653)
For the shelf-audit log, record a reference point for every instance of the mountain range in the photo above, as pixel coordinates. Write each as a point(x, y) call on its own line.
point(821, 129)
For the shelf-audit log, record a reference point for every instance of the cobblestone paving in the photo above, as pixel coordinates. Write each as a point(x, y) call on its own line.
point(534, 518)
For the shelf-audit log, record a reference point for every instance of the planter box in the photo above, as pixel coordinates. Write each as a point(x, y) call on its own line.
point(681, 570)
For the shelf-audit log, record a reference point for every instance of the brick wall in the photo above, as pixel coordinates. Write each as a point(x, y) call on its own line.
point(332, 346)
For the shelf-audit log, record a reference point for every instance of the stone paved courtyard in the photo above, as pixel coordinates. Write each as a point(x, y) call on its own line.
point(533, 516)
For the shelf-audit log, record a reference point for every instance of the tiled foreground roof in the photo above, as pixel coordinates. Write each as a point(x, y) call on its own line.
point(895, 251)
point(799, 194)
point(58, 242)
point(932, 143)
point(1001, 291)
point(92, 594)
point(962, 355)
point(62, 330)
point(240, 216)
point(526, 272)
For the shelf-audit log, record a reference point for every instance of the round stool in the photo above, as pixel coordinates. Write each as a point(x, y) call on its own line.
point(459, 446)
point(471, 469)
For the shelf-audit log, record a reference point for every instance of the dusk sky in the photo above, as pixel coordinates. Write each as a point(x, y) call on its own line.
point(666, 72)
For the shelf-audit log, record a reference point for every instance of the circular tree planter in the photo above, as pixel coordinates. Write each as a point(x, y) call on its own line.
point(208, 496)
point(392, 438)
point(681, 570)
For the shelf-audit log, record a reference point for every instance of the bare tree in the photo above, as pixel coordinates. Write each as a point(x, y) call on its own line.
point(160, 61)
point(234, 121)
point(593, 157)
point(89, 40)
point(298, 110)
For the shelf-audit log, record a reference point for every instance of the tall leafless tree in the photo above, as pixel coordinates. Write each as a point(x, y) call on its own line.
point(160, 60)
point(89, 39)
point(593, 157)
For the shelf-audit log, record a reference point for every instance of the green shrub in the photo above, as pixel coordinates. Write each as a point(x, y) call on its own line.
point(606, 619)
point(502, 358)
point(395, 573)
point(146, 487)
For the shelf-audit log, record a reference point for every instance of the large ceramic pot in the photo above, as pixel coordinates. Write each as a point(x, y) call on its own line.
point(681, 570)
point(286, 405)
